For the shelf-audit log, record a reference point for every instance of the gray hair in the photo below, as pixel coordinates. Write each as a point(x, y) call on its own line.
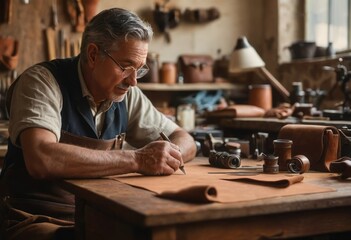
point(111, 26)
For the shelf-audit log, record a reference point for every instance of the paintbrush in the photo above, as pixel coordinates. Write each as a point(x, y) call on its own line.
point(165, 138)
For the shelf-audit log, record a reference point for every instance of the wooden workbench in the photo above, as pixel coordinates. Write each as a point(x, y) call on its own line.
point(273, 124)
point(108, 209)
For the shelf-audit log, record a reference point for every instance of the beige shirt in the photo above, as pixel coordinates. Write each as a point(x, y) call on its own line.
point(37, 102)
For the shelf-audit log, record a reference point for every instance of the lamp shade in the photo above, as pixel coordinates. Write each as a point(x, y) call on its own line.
point(244, 57)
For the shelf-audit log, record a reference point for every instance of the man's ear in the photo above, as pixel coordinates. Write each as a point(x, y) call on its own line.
point(93, 52)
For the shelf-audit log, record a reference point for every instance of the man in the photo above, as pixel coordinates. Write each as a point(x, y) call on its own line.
point(69, 117)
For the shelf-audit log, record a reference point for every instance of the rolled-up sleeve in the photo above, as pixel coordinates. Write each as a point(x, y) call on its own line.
point(36, 103)
point(145, 122)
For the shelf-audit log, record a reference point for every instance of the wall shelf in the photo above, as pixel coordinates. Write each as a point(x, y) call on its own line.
point(189, 86)
point(161, 94)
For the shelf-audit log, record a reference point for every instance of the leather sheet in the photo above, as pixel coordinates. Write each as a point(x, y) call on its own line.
point(205, 184)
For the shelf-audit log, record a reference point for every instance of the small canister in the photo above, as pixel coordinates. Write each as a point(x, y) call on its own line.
point(260, 95)
point(282, 149)
point(168, 73)
point(270, 164)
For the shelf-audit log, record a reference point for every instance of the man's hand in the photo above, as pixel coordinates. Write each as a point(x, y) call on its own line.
point(158, 158)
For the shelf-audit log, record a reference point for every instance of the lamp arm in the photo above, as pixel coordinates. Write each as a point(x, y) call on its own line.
point(275, 83)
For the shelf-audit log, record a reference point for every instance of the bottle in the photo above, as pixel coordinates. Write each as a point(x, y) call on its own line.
point(186, 116)
point(330, 50)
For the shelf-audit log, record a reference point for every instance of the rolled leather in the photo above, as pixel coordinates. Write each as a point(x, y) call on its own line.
point(342, 166)
point(320, 144)
point(237, 110)
point(195, 194)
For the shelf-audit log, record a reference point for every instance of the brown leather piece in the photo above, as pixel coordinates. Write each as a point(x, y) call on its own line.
point(35, 196)
point(281, 112)
point(200, 178)
point(22, 225)
point(237, 110)
point(320, 144)
point(195, 194)
point(282, 182)
point(342, 166)
point(53, 209)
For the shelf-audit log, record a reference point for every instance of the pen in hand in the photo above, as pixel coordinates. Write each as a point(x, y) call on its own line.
point(165, 138)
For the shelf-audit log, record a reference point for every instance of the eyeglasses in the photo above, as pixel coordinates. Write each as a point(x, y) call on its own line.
point(127, 71)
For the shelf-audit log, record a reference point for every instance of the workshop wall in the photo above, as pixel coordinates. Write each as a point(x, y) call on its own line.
point(270, 27)
point(29, 22)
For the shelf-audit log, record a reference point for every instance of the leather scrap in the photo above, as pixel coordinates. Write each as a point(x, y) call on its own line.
point(237, 110)
point(271, 180)
point(180, 187)
point(342, 166)
point(283, 111)
point(195, 194)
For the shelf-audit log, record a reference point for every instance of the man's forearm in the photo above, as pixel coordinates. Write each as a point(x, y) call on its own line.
point(185, 142)
point(69, 161)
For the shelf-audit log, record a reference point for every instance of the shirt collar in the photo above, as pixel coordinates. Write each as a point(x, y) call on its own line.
point(86, 93)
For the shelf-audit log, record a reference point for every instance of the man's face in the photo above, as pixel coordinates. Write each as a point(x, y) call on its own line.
point(113, 74)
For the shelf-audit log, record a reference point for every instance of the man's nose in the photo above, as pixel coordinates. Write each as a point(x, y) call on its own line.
point(131, 79)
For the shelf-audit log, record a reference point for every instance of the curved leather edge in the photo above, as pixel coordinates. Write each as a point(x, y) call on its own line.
point(195, 194)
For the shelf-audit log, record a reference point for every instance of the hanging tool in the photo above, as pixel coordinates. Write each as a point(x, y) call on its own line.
point(50, 33)
point(51, 43)
point(5, 11)
point(54, 16)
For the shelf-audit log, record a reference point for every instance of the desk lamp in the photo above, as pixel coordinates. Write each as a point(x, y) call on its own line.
point(245, 58)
